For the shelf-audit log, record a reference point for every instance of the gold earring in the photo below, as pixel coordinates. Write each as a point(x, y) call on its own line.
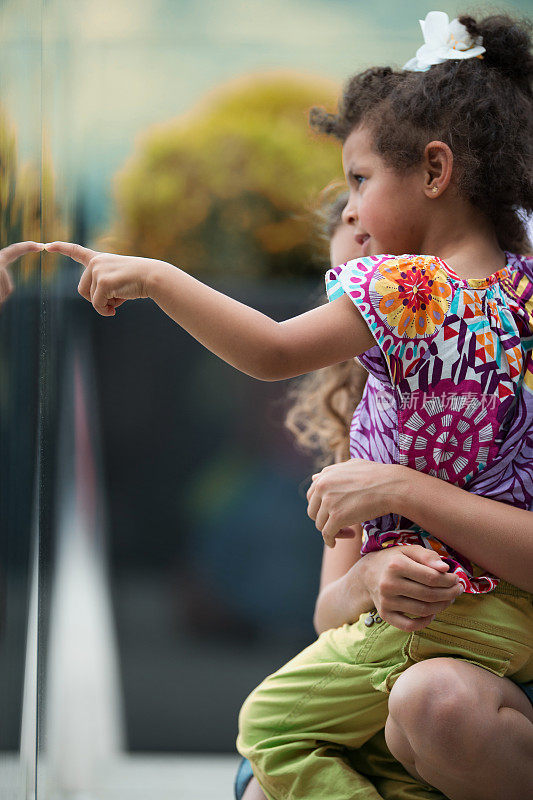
point(435, 189)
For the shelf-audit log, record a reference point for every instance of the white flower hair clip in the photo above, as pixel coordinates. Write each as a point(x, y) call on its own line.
point(443, 40)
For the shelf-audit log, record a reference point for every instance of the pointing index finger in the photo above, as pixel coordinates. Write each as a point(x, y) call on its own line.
point(75, 251)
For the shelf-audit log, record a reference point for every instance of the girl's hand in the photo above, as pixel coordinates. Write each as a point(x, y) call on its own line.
point(108, 280)
point(408, 579)
point(351, 492)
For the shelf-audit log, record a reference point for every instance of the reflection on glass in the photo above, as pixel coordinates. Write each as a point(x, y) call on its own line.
point(18, 521)
point(20, 187)
point(80, 724)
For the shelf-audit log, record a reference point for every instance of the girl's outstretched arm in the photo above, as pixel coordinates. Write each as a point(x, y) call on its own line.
point(253, 342)
point(248, 339)
point(242, 336)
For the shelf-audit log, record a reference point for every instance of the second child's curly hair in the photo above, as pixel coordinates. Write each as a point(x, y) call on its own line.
point(482, 108)
point(323, 402)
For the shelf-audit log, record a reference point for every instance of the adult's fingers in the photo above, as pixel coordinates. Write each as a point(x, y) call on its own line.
point(405, 623)
point(330, 531)
point(13, 251)
point(346, 533)
point(314, 502)
point(424, 555)
point(323, 522)
point(427, 594)
point(75, 251)
point(329, 541)
point(425, 566)
point(418, 608)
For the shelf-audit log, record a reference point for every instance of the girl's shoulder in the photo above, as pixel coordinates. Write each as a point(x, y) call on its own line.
point(427, 273)
point(411, 260)
point(399, 270)
point(404, 275)
point(402, 297)
point(413, 263)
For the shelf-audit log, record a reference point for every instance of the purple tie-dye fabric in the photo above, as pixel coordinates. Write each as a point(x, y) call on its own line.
point(450, 386)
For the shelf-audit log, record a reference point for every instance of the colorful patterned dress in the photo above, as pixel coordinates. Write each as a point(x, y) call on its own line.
point(450, 385)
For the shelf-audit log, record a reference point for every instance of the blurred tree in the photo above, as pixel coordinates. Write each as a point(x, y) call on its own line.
point(227, 188)
point(28, 211)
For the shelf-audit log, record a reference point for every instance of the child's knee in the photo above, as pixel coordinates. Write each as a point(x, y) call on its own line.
point(431, 705)
point(426, 689)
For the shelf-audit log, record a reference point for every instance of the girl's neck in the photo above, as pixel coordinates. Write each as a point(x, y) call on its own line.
point(465, 240)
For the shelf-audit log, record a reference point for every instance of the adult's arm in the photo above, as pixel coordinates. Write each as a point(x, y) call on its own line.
point(342, 596)
point(408, 579)
point(495, 535)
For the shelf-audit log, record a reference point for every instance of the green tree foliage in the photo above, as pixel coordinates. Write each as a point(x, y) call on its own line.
point(226, 190)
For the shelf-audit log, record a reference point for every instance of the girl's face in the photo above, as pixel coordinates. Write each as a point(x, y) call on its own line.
point(386, 210)
point(342, 245)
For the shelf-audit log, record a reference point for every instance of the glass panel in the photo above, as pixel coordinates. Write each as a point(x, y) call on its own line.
point(79, 696)
point(20, 187)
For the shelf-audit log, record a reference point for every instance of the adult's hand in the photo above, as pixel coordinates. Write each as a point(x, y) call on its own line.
point(408, 579)
point(351, 492)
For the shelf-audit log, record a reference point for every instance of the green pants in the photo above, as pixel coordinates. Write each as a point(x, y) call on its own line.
point(304, 729)
point(388, 776)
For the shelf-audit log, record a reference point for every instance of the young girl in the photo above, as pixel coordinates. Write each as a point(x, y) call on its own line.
point(437, 162)
point(323, 405)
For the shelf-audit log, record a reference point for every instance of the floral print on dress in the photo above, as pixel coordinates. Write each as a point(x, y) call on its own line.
point(415, 295)
point(450, 388)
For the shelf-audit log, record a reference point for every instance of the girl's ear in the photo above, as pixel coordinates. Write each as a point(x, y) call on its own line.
point(438, 168)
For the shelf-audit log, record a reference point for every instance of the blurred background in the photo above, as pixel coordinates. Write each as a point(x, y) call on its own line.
point(157, 560)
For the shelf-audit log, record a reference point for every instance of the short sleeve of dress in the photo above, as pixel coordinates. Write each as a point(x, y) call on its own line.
point(403, 299)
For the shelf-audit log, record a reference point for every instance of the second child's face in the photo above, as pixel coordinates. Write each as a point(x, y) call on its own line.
point(342, 245)
point(385, 209)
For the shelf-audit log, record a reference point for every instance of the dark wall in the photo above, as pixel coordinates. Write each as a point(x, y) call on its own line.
point(214, 561)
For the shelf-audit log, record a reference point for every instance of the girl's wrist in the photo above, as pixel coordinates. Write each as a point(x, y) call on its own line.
point(155, 279)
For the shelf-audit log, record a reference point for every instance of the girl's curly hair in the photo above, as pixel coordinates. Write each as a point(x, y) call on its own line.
point(323, 402)
point(482, 108)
